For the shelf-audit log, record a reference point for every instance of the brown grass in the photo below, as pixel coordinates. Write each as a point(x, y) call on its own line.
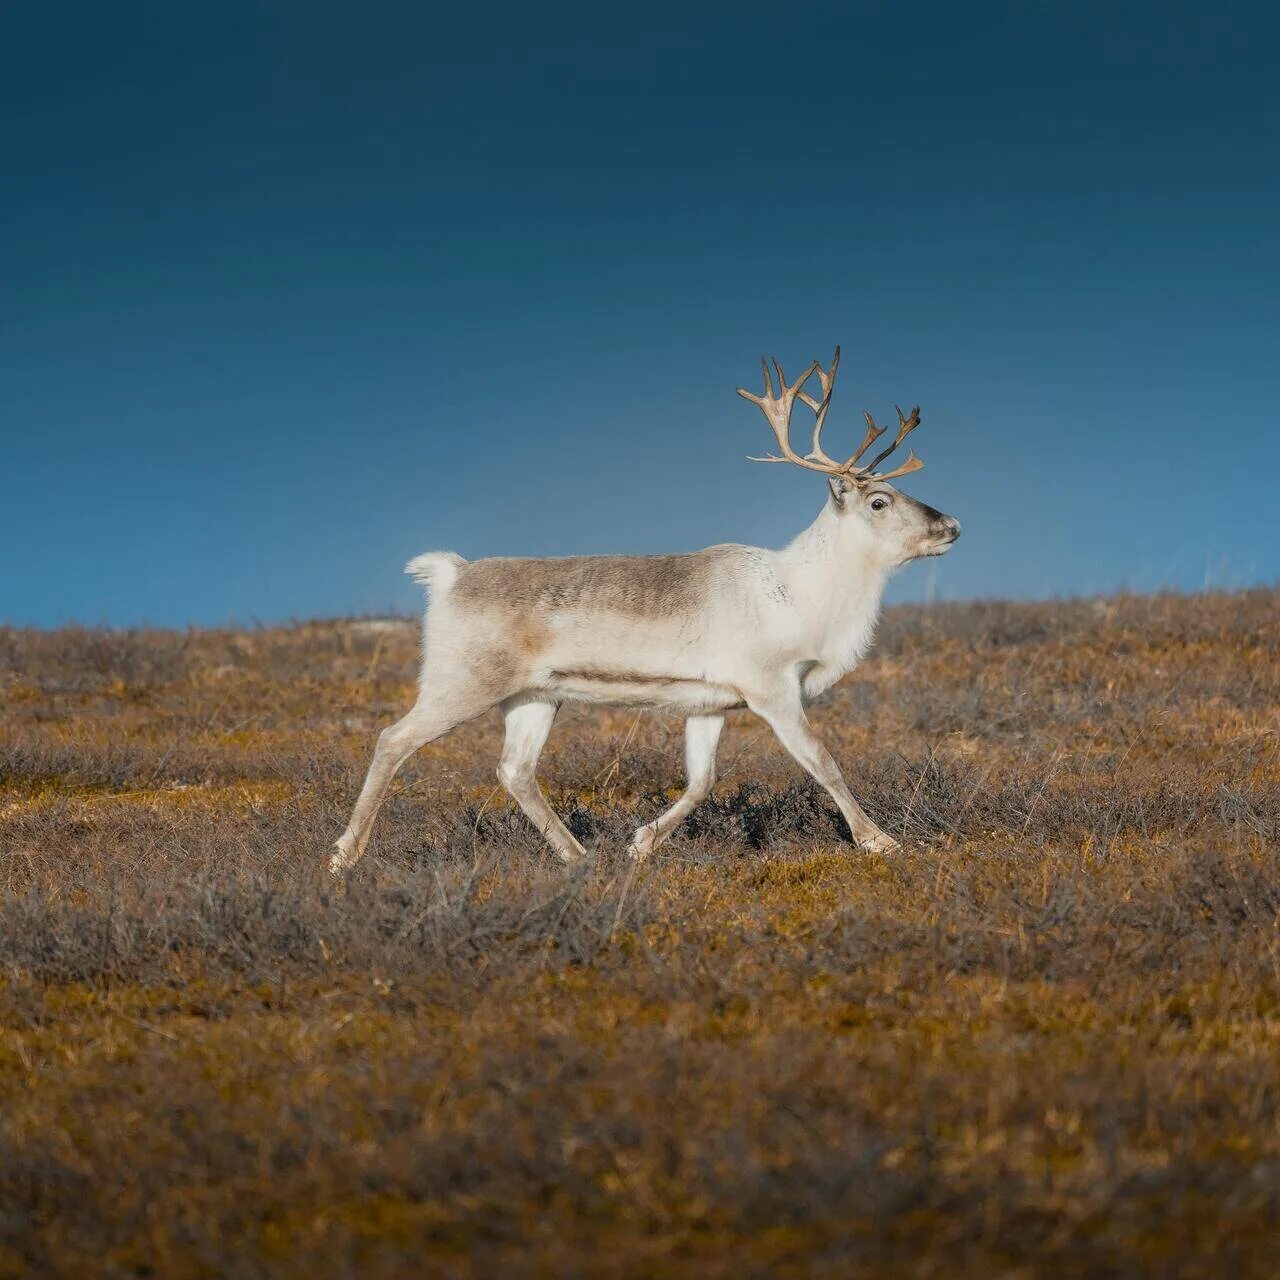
point(1045, 1039)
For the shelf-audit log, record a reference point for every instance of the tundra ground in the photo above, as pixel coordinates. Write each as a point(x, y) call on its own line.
point(1042, 1039)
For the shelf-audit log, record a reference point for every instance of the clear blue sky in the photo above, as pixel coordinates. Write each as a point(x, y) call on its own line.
point(292, 291)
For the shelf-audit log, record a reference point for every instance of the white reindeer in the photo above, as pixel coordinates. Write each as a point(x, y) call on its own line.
point(705, 633)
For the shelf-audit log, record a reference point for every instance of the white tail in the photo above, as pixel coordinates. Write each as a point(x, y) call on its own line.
point(435, 569)
point(732, 626)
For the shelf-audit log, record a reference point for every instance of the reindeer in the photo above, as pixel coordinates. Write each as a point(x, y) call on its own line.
point(703, 633)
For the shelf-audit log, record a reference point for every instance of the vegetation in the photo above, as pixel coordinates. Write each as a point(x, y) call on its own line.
point(1045, 1038)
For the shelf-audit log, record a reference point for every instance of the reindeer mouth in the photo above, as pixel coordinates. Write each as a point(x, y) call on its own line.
point(940, 546)
point(946, 529)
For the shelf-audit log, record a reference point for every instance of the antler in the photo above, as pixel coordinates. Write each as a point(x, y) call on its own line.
point(905, 427)
point(777, 410)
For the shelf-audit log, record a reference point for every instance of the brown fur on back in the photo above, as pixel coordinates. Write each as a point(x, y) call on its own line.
point(640, 586)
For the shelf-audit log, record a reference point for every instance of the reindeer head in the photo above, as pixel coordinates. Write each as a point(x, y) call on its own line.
point(890, 526)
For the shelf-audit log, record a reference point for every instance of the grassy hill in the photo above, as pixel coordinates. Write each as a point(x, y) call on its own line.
point(1043, 1038)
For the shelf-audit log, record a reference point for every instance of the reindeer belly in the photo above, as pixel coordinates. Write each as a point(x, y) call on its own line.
point(630, 662)
point(637, 689)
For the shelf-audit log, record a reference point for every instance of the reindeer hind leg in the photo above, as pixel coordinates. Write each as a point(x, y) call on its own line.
point(432, 716)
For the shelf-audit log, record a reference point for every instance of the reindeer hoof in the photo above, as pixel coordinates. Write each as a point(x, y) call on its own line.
point(343, 857)
point(643, 843)
point(879, 843)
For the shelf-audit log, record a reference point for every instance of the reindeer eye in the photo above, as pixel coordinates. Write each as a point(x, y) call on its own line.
point(879, 502)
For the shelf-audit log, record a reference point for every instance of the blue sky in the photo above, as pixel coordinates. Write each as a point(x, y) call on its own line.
point(293, 291)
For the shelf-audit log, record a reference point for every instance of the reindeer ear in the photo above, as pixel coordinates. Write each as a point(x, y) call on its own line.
point(839, 487)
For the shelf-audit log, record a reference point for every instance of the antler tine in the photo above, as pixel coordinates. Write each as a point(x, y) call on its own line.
point(827, 377)
point(912, 464)
point(905, 427)
point(873, 434)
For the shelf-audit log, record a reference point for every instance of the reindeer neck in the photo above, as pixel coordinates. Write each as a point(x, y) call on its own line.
point(837, 585)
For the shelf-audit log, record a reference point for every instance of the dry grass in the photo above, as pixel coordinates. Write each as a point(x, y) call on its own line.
point(1044, 1039)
